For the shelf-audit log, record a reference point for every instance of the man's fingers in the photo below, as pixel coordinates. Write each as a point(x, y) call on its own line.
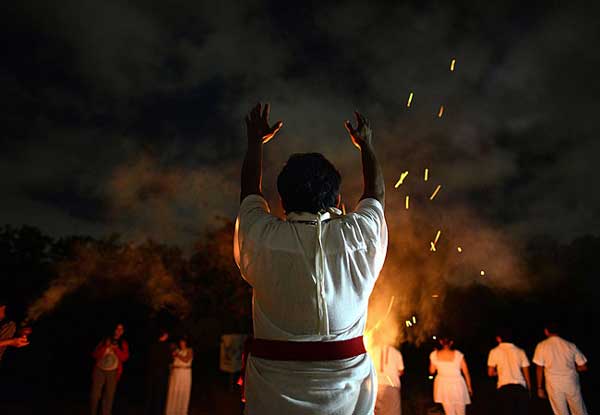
point(348, 126)
point(358, 119)
point(266, 112)
point(255, 111)
point(276, 127)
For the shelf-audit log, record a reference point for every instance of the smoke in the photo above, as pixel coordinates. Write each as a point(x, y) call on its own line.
point(108, 269)
point(173, 204)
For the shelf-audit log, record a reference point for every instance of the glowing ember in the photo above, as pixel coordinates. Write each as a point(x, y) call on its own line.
point(435, 192)
point(426, 175)
point(437, 236)
point(459, 249)
point(441, 111)
point(432, 249)
point(482, 273)
point(430, 377)
point(401, 179)
point(414, 319)
point(406, 201)
point(452, 63)
point(410, 97)
point(434, 337)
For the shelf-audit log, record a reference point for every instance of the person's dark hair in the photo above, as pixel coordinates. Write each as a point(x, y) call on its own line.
point(552, 326)
point(308, 183)
point(505, 333)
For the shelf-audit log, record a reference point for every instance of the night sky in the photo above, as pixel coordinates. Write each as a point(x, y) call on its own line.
point(128, 116)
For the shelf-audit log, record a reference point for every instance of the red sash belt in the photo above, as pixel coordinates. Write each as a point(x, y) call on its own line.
point(299, 351)
point(306, 351)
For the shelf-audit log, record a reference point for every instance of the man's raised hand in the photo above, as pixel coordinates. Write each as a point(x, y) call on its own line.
point(362, 134)
point(257, 124)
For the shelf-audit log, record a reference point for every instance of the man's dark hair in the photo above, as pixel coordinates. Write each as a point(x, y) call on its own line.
point(308, 183)
point(552, 326)
point(505, 333)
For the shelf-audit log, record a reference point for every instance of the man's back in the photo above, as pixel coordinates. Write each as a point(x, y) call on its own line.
point(293, 291)
point(509, 361)
point(558, 356)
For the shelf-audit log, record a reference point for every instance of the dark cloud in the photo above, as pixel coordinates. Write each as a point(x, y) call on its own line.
point(127, 116)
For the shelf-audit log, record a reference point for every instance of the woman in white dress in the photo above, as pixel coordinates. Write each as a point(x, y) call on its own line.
point(180, 380)
point(452, 385)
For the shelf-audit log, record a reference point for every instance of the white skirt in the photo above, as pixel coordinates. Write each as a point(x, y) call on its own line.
point(180, 387)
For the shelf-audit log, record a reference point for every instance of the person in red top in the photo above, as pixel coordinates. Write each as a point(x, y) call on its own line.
point(109, 355)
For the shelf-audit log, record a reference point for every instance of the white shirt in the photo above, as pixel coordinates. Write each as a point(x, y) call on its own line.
point(508, 360)
point(559, 358)
point(312, 276)
point(388, 363)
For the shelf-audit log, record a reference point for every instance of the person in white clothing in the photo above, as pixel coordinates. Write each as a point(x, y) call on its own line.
point(559, 362)
point(511, 365)
point(312, 274)
point(452, 384)
point(390, 367)
point(180, 380)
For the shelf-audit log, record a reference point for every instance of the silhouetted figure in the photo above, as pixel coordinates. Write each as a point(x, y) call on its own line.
point(157, 374)
point(452, 384)
point(559, 362)
point(8, 329)
point(180, 379)
point(109, 356)
point(511, 365)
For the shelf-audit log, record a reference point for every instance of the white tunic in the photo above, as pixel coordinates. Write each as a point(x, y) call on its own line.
point(509, 360)
point(180, 385)
point(312, 276)
point(559, 358)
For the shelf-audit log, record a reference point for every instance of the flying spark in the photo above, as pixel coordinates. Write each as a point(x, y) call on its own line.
point(452, 63)
point(437, 236)
point(426, 175)
point(435, 192)
point(482, 273)
point(410, 97)
point(459, 249)
point(432, 249)
point(441, 111)
point(406, 201)
point(401, 179)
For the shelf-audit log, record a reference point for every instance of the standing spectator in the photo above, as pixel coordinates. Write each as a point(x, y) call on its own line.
point(180, 381)
point(7, 332)
point(390, 367)
point(559, 361)
point(109, 355)
point(157, 374)
point(449, 386)
point(511, 365)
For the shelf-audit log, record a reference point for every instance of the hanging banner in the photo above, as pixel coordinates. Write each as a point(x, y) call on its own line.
point(232, 346)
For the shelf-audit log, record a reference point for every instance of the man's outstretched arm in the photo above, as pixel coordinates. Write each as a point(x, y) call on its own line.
point(362, 138)
point(259, 132)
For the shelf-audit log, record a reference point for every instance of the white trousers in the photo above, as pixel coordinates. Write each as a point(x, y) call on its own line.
point(564, 396)
point(454, 408)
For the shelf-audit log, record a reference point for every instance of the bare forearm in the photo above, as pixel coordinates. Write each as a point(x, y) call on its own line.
point(539, 375)
point(251, 181)
point(527, 377)
point(374, 186)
